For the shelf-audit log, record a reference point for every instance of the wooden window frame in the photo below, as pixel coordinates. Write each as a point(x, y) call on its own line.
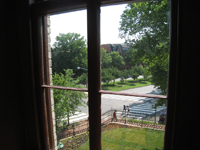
point(40, 11)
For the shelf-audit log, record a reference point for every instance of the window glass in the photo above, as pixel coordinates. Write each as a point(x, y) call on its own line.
point(134, 59)
point(69, 69)
point(69, 48)
point(135, 47)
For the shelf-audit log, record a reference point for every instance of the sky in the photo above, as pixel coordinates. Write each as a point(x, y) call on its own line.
point(77, 22)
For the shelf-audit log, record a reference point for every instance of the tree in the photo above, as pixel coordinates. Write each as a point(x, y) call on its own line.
point(139, 69)
point(130, 57)
point(68, 52)
point(145, 26)
point(134, 73)
point(66, 102)
point(124, 74)
point(83, 78)
point(115, 73)
point(106, 59)
point(117, 60)
point(106, 76)
point(146, 72)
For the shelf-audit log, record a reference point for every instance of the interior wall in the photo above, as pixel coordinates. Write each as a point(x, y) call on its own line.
point(18, 127)
point(187, 114)
point(12, 110)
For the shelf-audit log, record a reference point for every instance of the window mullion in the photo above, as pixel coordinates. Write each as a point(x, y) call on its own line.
point(94, 84)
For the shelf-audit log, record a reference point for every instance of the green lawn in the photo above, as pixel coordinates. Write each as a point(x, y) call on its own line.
point(130, 139)
point(129, 84)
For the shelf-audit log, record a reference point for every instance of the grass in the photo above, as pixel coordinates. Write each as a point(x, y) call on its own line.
point(129, 84)
point(130, 139)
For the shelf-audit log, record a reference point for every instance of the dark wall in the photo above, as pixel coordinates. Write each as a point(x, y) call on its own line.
point(18, 127)
point(12, 110)
point(187, 115)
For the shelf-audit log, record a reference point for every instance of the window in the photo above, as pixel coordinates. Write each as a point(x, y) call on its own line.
point(94, 82)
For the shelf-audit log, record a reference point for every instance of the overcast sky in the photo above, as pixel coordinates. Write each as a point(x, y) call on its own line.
point(77, 22)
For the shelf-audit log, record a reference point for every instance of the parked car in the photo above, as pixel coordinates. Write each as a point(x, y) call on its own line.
point(162, 116)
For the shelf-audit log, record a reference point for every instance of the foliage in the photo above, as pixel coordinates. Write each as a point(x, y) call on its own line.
point(122, 79)
point(83, 78)
point(106, 75)
point(66, 102)
point(145, 26)
point(139, 69)
point(115, 73)
point(160, 102)
point(159, 77)
point(134, 72)
point(117, 59)
point(112, 59)
point(68, 52)
point(106, 59)
point(125, 74)
point(146, 72)
point(130, 57)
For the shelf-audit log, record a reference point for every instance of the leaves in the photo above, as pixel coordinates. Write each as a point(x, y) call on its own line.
point(106, 59)
point(66, 102)
point(134, 72)
point(106, 75)
point(69, 52)
point(117, 59)
point(145, 26)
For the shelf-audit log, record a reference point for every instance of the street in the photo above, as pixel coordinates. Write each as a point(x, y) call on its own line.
point(110, 101)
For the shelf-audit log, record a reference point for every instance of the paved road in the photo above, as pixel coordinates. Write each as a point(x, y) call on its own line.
point(110, 101)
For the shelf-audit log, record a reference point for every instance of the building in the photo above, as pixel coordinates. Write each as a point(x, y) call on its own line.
point(21, 126)
point(121, 48)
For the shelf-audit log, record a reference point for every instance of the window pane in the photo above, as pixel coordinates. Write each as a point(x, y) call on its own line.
point(68, 67)
point(138, 63)
point(69, 48)
point(135, 46)
point(71, 118)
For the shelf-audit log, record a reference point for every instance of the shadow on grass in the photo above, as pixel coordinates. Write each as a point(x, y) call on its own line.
point(131, 81)
point(106, 87)
point(121, 83)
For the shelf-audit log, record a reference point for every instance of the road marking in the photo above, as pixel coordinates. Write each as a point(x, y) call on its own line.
point(77, 117)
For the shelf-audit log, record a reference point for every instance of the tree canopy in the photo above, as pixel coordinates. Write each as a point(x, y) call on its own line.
point(106, 59)
point(68, 52)
point(134, 72)
point(145, 26)
point(66, 102)
point(130, 57)
point(106, 75)
point(117, 60)
point(112, 59)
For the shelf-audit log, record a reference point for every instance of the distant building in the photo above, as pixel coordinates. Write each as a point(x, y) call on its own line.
point(121, 48)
